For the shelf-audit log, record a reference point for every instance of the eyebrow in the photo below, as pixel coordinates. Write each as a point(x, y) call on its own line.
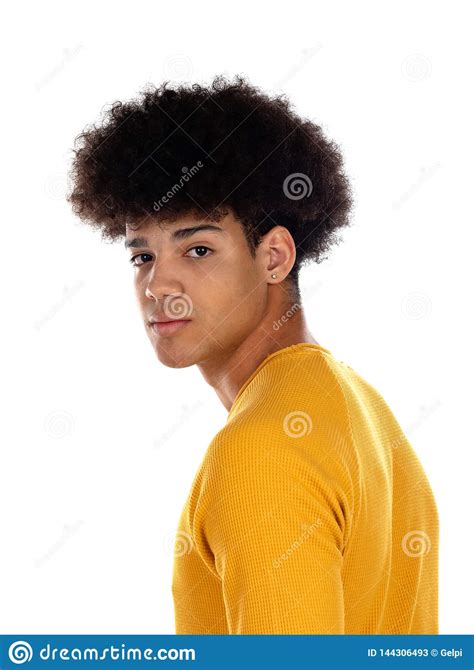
point(180, 234)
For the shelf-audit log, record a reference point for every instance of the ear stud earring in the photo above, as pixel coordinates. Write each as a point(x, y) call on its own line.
point(274, 276)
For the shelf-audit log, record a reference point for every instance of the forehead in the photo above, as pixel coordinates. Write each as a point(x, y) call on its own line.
point(139, 233)
point(151, 223)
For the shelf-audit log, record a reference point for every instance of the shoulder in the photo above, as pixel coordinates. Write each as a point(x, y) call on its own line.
point(274, 469)
point(292, 426)
point(303, 379)
point(294, 405)
point(301, 438)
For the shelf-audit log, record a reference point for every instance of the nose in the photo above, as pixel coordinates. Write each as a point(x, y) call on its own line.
point(162, 282)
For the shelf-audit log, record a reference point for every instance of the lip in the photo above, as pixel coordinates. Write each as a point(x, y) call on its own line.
point(168, 327)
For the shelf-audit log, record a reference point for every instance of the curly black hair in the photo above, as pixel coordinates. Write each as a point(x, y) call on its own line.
point(195, 149)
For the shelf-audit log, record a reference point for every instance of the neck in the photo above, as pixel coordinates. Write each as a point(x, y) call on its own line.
point(280, 328)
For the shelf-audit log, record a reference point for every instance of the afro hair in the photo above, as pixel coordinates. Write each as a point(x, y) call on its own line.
point(191, 149)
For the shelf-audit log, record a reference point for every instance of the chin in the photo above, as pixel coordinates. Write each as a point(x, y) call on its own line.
point(174, 358)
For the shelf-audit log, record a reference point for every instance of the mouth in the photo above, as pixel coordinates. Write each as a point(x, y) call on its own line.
point(168, 327)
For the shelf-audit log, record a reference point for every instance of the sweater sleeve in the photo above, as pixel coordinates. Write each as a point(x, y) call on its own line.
point(271, 523)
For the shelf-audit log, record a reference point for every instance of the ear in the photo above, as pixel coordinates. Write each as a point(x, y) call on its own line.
point(278, 252)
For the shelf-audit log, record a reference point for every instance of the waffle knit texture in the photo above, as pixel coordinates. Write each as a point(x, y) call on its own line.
point(310, 512)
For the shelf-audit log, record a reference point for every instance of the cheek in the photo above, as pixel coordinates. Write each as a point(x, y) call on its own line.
point(239, 278)
point(138, 286)
point(224, 292)
point(237, 304)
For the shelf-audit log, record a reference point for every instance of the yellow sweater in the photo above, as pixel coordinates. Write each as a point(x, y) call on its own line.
point(309, 514)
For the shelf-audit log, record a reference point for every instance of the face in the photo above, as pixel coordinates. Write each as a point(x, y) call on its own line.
point(205, 280)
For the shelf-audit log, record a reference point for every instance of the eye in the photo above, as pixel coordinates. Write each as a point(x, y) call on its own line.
point(133, 258)
point(200, 247)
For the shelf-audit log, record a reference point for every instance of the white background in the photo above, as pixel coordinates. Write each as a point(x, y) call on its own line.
point(100, 442)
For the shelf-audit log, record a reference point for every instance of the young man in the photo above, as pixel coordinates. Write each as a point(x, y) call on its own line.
point(310, 512)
